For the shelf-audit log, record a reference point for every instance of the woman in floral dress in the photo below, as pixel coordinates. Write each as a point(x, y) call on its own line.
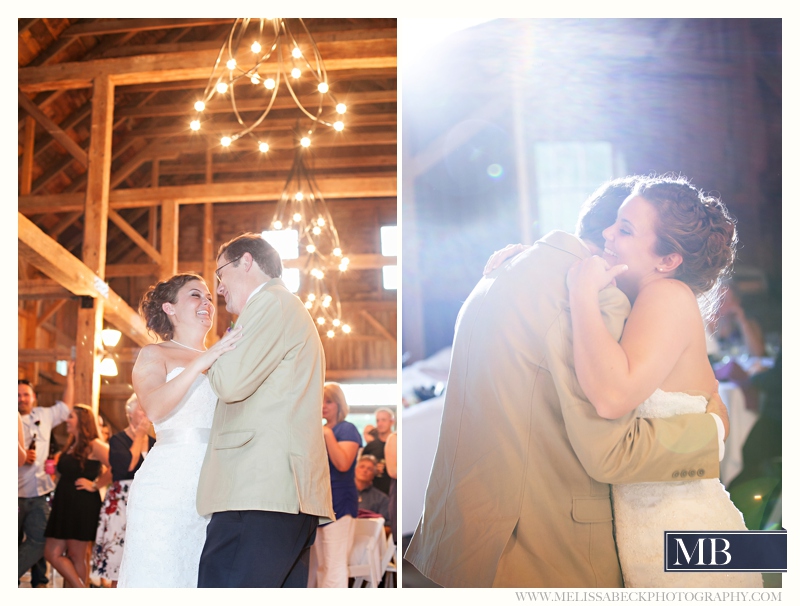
point(127, 450)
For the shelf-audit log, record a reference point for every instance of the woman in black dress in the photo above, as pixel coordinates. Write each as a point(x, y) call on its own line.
point(127, 450)
point(75, 509)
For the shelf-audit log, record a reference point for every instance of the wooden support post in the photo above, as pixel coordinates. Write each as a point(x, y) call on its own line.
point(95, 232)
point(169, 238)
point(26, 175)
point(210, 264)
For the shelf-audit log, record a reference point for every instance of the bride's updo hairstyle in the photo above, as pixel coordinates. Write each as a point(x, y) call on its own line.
point(699, 228)
point(166, 291)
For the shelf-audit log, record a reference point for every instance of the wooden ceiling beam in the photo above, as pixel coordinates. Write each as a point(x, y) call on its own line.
point(37, 248)
point(134, 235)
point(378, 326)
point(42, 289)
point(118, 26)
point(282, 102)
point(367, 186)
point(359, 54)
point(280, 164)
point(59, 135)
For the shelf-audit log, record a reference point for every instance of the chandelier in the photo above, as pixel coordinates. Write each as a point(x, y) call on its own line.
point(302, 207)
point(252, 56)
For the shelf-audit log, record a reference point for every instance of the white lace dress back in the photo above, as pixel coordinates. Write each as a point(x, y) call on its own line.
point(642, 512)
point(165, 534)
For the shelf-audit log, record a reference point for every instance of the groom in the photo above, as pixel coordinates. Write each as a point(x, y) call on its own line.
point(265, 477)
point(518, 495)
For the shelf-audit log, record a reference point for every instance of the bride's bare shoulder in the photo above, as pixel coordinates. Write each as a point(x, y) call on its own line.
point(668, 294)
point(151, 355)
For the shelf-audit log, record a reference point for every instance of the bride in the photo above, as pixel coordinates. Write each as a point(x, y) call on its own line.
point(667, 251)
point(165, 534)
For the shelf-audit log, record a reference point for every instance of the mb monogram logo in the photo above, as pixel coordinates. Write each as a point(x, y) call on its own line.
point(736, 551)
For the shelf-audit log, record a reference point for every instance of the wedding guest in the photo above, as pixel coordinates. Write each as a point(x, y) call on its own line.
point(384, 419)
point(369, 497)
point(76, 504)
point(127, 450)
point(34, 485)
point(334, 540)
point(22, 453)
point(733, 329)
point(391, 469)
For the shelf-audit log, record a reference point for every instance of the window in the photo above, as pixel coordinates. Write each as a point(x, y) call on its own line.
point(389, 248)
point(286, 242)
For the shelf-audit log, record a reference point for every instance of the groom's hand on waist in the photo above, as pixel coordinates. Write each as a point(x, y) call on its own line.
point(716, 406)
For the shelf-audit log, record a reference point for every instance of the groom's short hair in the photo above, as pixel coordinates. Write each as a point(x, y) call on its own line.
point(599, 211)
point(263, 253)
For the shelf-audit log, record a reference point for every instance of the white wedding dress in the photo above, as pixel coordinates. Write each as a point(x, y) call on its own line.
point(642, 512)
point(165, 534)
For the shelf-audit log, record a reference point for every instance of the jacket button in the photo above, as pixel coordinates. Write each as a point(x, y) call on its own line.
point(676, 474)
point(683, 473)
point(692, 473)
point(701, 472)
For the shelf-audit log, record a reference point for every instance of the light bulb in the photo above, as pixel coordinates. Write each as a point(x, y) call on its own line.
point(336, 322)
point(321, 222)
point(226, 141)
point(345, 328)
point(194, 124)
point(299, 196)
point(269, 83)
point(311, 248)
point(263, 147)
point(323, 87)
point(199, 106)
point(326, 303)
point(277, 225)
point(255, 47)
point(316, 231)
point(345, 261)
point(330, 334)
point(337, 252)
point(254, 79)
point(320, 320)
point(295, 72)
point(222, 87)
point(311, 296)
point(309, 305)
point(110, 337)
point(231, 64)
point(305, 141)
point(296, 53)
point(338, 125)
point(341, 108)
point(342, 267)
point(296, 216)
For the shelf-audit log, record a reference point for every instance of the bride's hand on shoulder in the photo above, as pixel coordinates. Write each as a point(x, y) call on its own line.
point(224, 345)
point(497, 258)
point(592, 275)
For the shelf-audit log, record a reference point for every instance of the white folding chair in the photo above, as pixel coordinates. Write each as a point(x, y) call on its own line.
point(388, 564)
point(365, 555)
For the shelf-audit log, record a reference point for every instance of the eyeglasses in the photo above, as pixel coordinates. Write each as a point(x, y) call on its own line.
point(219, 269)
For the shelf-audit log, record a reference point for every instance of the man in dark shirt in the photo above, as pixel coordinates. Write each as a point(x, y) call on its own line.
point(369, 497)
point(384, 420)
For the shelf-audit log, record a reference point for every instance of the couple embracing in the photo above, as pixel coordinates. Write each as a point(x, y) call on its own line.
point(233, 490)
point(579, 422)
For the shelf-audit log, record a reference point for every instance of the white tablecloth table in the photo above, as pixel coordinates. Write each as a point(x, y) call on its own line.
point(741, 421)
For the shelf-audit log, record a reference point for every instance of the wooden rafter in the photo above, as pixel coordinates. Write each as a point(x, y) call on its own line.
point(368, 186)
point(362, 54)
point(57, 263)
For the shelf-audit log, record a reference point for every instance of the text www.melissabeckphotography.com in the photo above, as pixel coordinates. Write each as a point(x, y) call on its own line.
point(648, 596)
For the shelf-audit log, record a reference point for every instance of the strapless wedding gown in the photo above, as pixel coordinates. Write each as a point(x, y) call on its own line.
point(642, 512)
point(165, 534)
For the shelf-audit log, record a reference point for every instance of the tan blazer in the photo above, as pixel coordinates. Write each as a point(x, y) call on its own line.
point(519, 443)
point(266, 450)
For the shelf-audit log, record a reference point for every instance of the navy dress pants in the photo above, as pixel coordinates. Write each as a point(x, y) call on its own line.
point(257, 549)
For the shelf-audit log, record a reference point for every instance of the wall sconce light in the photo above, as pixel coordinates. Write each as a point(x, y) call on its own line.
point(108, 368)
point(110, 337)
